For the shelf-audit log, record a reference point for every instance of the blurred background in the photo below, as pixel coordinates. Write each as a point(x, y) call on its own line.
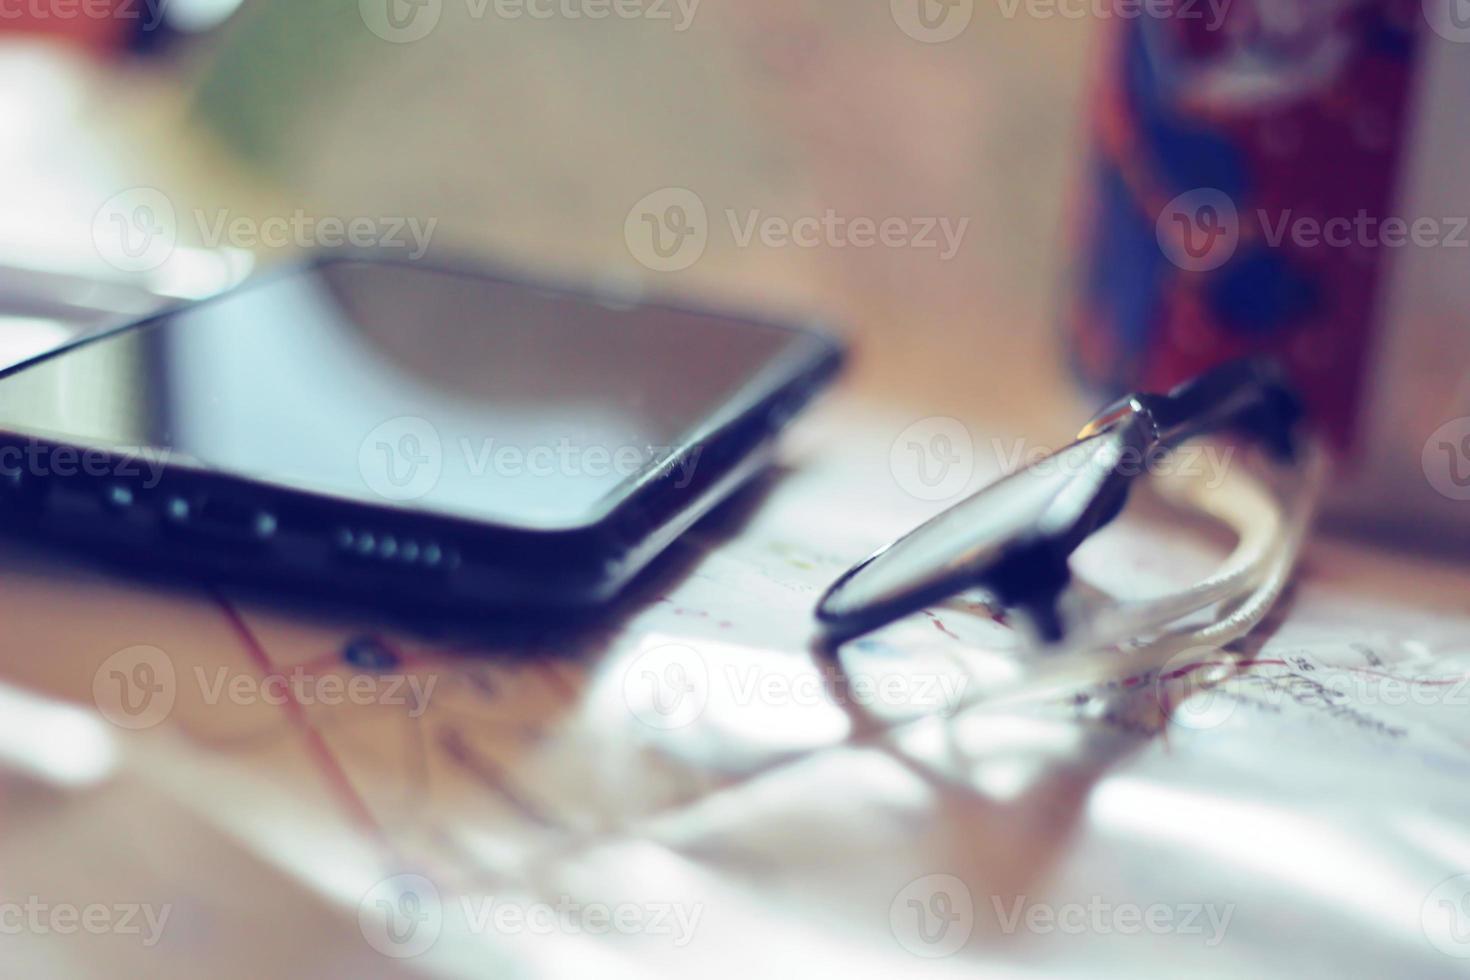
point(995, 200)
point(529, 139)
point(1012, 208)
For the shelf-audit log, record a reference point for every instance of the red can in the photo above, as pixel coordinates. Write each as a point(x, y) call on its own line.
point(1287, 178)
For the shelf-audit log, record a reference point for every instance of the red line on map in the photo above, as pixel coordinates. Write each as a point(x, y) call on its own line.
point(939, 625)
point(331, 769)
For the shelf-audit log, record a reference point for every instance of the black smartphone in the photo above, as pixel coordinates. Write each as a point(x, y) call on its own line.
point(389, 431)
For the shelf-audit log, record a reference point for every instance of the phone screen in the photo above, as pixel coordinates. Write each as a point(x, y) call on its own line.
point(460, 394)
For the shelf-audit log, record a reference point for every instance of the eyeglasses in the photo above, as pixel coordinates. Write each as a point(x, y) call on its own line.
point(1013, 539)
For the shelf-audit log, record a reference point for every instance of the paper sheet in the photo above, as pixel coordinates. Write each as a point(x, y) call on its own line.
point(690, 788)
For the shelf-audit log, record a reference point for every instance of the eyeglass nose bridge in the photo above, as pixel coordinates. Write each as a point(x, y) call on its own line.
point(1129, 406)
point(1252, 397)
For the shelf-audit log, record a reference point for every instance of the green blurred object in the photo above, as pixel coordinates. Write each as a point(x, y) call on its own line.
point(277, 59)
